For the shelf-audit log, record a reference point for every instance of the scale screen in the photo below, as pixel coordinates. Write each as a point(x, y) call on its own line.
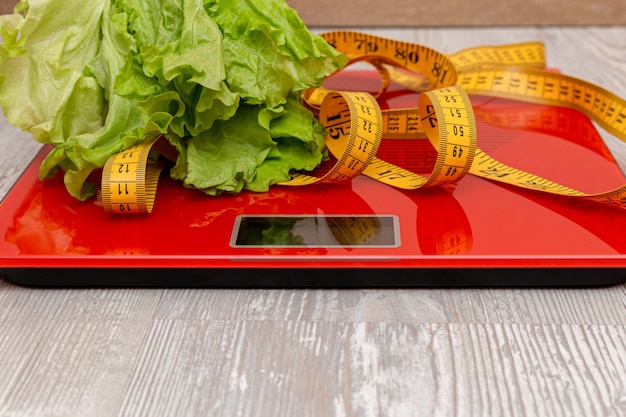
point(319, 231)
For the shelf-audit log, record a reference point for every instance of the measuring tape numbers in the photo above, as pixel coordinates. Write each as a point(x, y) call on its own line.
point(535, 86)
point(353, 122)
point(435, 66)
point(521, 82)
point(356, 125)
point(527, 54)
point(129, 180)
point(447, 118)
point(543, 87)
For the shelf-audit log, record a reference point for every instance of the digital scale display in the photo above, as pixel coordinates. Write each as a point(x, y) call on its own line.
point(316, 231)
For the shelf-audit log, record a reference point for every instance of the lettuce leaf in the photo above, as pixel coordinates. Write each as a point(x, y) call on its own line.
point(220, 79)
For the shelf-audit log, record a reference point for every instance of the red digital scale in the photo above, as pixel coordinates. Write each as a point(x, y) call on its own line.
point(357, 233)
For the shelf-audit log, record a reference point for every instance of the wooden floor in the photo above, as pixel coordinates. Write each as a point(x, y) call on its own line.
point(359, 352)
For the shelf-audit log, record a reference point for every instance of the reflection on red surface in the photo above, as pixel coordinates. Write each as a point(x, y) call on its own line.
point(37, 231)
point(442, 226)
point(188, 222)
point(558, 122)
point(605, 223)
point(184, 221)
point(478, 218)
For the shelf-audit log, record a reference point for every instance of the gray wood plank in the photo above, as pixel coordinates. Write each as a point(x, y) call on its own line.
point(68, 351)
point(360, 369)
point(602, 306)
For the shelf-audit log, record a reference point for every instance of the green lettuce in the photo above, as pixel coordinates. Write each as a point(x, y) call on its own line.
point(220, 79)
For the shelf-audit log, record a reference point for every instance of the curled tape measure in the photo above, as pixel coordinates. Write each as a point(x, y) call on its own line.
point(355, 124)
point(129, 180)
point(447, 118)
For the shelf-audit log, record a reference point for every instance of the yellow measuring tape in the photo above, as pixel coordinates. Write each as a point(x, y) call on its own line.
point(355, 124)
point(129, 180)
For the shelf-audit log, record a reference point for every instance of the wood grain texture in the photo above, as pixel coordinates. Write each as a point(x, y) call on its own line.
point(448, 13)
point(358, 352)
point(370, 369)
point(602, 306)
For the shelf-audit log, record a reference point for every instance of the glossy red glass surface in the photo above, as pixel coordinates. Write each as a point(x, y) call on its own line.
point(478, 224)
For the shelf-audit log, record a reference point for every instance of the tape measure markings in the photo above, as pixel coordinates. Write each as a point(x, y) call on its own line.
point(402, 124)
point(129, 180)
point(416, 58)
point(354, 131)
point(544, 88)
point(600, 105)
point(455, 137)
point(355, 124)
point(455, 142)
point(497, 171)
point(531, 54)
